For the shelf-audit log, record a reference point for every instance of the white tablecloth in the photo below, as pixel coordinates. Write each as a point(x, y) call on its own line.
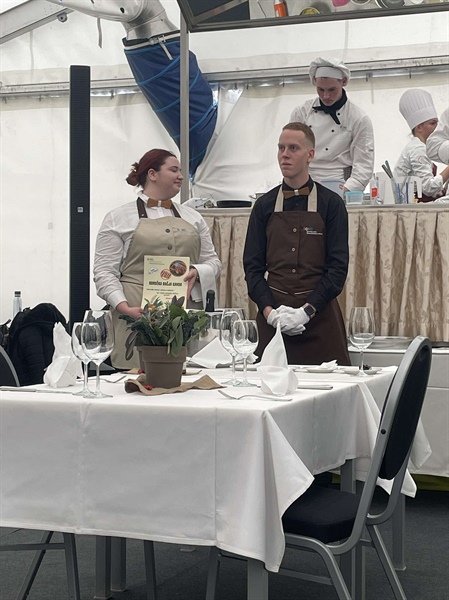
point(190, 468)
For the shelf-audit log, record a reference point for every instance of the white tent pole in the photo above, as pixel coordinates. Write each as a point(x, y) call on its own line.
point(184, 108)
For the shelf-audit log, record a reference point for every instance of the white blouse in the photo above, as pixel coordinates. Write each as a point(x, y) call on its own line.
point(114, 238)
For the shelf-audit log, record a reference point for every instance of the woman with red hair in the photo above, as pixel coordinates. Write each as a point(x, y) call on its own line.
point(152, 225)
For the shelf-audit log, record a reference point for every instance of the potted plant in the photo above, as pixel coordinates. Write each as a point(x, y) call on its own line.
point(160, 336)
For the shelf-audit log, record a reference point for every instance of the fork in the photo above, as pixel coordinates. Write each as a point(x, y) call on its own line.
point(274, 398)
point(113, 380)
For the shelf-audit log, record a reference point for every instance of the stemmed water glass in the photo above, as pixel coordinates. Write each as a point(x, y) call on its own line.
point(361, 331)
point(78, 351)
point(246, 338)
point(228, 318)
point(97, 340)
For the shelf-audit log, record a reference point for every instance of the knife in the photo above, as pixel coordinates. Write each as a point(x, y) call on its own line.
point(315, 387)
point(21, 389)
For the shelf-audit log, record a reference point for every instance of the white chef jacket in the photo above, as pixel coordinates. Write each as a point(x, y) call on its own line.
point(438, 142)
point(350, 144)
point(414, 161)
point(114, 238)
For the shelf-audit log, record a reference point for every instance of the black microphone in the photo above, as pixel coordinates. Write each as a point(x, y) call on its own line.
point(210, 301)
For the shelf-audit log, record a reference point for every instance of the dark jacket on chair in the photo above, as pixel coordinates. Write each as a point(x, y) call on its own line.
point(31, 342)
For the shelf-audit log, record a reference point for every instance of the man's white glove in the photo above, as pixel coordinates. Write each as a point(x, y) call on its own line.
point(301, 316)
point(292, 320)
point(273, 318)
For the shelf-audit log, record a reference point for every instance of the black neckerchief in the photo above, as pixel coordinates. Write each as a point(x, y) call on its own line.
point(332, 110)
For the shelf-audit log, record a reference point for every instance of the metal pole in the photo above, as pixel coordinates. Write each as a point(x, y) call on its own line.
point(184, 109)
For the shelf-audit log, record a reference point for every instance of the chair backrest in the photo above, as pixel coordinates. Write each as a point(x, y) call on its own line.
point(399, 420)
point(403, 405)
point(8, 375)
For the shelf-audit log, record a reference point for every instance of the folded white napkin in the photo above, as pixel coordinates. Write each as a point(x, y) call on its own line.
point(276, 376)
point(65, 367)
point(332, 364)
point(214, 355)
point(277, 380)
point(211, 356)
point(274, 354)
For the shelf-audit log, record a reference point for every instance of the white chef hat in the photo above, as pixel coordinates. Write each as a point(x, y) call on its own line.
point(417, 106)
point(329, 67)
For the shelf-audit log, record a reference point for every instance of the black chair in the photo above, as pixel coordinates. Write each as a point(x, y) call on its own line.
point(332, 522)
point(8, 375)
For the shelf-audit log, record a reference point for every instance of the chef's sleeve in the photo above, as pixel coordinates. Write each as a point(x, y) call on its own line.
point(362, 154)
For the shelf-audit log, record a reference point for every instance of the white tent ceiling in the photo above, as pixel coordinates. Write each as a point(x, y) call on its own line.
point(242, 158)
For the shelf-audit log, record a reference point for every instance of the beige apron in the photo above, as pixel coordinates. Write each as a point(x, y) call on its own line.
point(171, 236)
point(296, 254)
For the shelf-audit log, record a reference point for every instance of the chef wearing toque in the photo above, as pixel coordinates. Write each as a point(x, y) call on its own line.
point(343, 132)
point(417, 108)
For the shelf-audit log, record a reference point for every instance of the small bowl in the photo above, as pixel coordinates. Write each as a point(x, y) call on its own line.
point(350, 370)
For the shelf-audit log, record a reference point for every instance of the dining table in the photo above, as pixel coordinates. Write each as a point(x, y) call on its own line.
point(192, 468)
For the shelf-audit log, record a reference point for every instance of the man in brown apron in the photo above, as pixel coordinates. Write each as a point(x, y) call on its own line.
point(296, 258)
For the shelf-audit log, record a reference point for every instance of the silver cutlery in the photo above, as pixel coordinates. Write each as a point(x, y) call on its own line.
point(314, 386)
point(114, 380)
point(272, 398)
point(24, 389)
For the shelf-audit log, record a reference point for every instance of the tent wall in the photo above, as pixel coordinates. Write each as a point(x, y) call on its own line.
point(241, 160)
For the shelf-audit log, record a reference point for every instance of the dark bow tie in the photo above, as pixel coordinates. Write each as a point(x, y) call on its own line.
point(164, 203)
point(291, 193)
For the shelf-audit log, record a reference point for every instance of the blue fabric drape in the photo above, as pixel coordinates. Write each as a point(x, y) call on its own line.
point(158, 77)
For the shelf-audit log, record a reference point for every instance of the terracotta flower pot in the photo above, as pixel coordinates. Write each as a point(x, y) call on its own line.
point(162, 369)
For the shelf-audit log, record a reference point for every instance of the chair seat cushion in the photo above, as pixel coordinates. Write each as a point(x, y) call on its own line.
point(323, 513)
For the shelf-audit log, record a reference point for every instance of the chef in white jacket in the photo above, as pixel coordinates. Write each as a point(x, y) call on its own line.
point(418, 109)
point(438, 142)
point(343, 132)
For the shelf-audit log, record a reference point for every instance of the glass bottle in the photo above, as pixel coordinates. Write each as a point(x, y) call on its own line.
point(17, 304)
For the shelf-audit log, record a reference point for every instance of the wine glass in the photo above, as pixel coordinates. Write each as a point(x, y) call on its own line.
point(97, 340)
point(78, 351)
point(228, 318)
point(246, 338)
point(361, 331)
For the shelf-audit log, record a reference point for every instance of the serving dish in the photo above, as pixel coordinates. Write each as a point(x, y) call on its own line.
point(320, 369)
point(234, 203)
point(390, 3)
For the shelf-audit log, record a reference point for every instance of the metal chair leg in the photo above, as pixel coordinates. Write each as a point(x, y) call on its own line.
point(34, 567)
point(398, 531)
point(150, 570)
point(385, 560)
point(118, 564)
point(71, 562)
point(213, 573)
point(257, 580)
point(102, 568)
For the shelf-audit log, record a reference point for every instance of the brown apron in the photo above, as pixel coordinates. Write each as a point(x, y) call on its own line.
point(296, 253)
point(171, 236)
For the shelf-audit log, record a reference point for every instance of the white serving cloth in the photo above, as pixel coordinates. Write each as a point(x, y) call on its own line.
point(65, 367)
point(190, 468)
point(276, 376)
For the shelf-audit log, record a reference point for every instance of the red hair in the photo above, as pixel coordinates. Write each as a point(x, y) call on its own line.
point(153, 159)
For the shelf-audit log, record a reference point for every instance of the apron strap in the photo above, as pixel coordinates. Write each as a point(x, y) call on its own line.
point(312, 203)
point(142, 211)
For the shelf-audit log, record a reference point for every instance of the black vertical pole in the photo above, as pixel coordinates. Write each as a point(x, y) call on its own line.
point(80, 275)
